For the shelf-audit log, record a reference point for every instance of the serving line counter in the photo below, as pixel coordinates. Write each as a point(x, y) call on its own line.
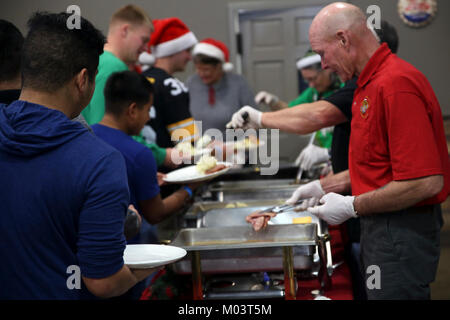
point(228, 260)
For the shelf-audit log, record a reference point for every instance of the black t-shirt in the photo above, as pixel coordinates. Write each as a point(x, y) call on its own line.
point(8, 96)
point(171, 106)
point(342, 99)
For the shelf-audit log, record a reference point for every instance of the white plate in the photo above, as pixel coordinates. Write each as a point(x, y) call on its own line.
point(145, 256)
point(190, 174)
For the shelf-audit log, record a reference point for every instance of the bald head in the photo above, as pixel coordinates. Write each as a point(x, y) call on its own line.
point(339, 33)
point(338, 16)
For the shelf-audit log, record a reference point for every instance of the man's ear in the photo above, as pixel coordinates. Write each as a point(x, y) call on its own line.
point(82, 80)
point(124, 29)
point(343, 38)
point(132, 110)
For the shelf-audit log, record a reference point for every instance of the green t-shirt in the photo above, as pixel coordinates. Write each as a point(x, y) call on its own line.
point(323, 137)
point(107, 65)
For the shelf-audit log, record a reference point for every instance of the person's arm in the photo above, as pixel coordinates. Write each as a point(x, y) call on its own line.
point(118, 283)
point(279, 105)
point(157, 209)
point(101, 241)
point(338, 183)
point(305, 118)
point(398, 195)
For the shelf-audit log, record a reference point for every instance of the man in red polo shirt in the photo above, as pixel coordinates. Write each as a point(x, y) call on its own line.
point(398, 157)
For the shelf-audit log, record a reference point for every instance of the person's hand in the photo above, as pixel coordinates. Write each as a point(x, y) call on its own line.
point(312, 155)
point(335, 208)
point(259, 220)
point(132, 223)
point(160, 176)
point(310, 190)
point(141, 274)
point(307, 203)
point(266, 98)
point(253, 121)
point(175, 157)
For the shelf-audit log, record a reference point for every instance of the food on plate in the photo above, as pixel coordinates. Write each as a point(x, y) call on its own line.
point(216, 168)
point(259, 220)
point(206, 163)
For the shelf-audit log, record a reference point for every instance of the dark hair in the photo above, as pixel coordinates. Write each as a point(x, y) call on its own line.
point(11, 42)
point(387, 33)
point(204, 59)
point(124, 88)
point(53, 54)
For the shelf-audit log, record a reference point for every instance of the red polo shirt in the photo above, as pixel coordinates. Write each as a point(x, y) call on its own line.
point(397, 127)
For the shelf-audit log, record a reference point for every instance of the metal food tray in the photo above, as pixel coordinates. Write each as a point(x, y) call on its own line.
point(244, 237)
point(251, 184)
point(252, 189)
point(241, 249)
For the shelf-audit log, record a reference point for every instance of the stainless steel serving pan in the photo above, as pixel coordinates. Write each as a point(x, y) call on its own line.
point(251, 189)
point(241, 249)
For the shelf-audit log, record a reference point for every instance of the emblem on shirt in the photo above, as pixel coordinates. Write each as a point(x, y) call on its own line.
point(417, 13)
point(363, 109)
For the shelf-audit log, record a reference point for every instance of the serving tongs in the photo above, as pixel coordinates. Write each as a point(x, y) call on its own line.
point(282, 208)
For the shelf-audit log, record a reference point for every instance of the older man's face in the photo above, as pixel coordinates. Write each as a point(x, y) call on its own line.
point(333, 56)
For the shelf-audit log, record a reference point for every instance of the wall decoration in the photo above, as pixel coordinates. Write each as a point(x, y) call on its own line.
point(417, 13)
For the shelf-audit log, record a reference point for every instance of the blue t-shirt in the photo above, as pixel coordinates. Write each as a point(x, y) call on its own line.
point(141, 170)
point(63, 196)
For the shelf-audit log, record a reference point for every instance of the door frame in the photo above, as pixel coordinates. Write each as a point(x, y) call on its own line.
point(237, 8)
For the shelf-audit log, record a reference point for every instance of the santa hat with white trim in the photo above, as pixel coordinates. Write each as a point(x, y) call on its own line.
point(216, 49)
point(170, 36)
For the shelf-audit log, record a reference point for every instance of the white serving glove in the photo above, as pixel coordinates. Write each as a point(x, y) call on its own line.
point(310, 190)
point(252, 122)
point(335, 208)
point(266, 98)
point(312, 155)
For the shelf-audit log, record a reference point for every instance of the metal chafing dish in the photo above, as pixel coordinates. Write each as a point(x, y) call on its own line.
point(218, 217)
point(251, 189)
point(219, 241)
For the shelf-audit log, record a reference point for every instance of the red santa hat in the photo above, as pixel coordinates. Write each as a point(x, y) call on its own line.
point(170, 36)
point(215, 49)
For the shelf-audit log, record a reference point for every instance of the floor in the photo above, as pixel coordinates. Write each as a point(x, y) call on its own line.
point(440, 289)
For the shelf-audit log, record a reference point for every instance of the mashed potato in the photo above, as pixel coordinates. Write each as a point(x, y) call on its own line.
point(206, 163)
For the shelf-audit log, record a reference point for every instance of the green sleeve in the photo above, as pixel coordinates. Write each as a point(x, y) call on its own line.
point(95, 110)
point(305, 97)
point(158, 152)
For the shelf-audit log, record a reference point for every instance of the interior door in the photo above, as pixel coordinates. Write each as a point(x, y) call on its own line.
point(271, 42)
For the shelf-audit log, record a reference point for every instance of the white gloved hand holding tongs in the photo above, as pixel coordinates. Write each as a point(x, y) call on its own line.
point(246, 118)
point(310, 192)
